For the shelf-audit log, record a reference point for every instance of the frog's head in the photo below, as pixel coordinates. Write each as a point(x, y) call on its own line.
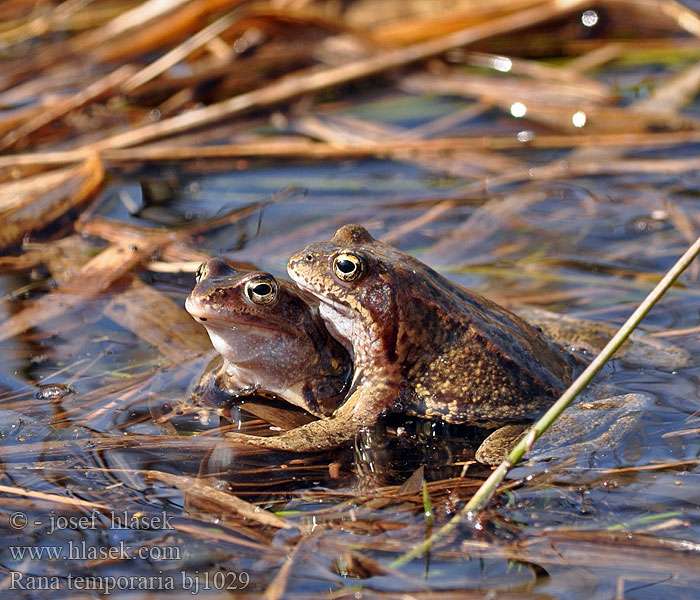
point(269, 334)
point(357, 280)
point(229, 304)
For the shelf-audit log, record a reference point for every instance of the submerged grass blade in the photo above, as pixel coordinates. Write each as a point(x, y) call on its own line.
point(487, 489)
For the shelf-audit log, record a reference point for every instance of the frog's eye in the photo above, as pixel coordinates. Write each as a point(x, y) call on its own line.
point(201, 272)
point(348, 266)
point(261, 290)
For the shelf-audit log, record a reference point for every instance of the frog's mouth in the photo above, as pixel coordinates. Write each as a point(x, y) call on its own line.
point(342, 310)
point(212, 318)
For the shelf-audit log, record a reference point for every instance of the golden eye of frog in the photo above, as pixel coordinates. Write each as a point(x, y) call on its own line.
point(270, 336)
point(420, 344)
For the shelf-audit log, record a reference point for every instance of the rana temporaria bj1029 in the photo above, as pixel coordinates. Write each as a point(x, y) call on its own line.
point(271, 338)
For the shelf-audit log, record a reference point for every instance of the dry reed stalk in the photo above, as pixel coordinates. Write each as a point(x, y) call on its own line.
point(276, 416)
point(179, 53)
point(213, 534)
point(394, 235)
point(651, 558)
point(156, 319)
point(347, 130)
point(398, 25)
point(35, 202)
point(278, 585)
point(140, 16)
point(50, 449)
point(318, 80)
point(561, 74)
point(305, 149)
point(95, 91)
point(173, 253)
point(55, 498)
point(93, 277)
point(507, 89)
point(596, 57)
point(677, 332)
point(551, 104)
point(218, 501)
point(171, 27)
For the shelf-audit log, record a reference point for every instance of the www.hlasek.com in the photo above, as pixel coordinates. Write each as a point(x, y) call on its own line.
point(191, 582)
point(84, 551)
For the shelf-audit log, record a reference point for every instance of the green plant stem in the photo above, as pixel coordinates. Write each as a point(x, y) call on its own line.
point(487, 489)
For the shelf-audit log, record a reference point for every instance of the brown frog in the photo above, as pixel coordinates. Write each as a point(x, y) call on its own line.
point(420, 344)
point(271, 338)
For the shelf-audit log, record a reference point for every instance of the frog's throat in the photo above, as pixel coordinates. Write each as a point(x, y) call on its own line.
point(241, 381)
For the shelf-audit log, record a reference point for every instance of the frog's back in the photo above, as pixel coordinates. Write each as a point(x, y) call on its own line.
point(421, 343)
point(479, 361)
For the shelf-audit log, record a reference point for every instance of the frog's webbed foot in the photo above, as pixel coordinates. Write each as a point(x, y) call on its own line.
point(498, 444)
point(598, 427)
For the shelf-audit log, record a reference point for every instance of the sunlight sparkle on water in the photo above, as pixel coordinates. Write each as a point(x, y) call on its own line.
point(589, 18)
point(502, 63)
point(518, 109)
point(579, 119)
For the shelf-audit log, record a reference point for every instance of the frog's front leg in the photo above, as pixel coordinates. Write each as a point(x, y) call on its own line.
point(362, 409)
point(324, 434)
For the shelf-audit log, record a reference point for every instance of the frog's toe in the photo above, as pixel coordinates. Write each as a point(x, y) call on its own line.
point(289, 441)
point(250, 440)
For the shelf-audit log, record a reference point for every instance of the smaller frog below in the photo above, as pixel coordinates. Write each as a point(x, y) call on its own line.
point(271, 338)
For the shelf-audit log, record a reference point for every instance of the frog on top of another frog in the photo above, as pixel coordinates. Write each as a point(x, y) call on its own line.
point(420, 344)
point(271, 338)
